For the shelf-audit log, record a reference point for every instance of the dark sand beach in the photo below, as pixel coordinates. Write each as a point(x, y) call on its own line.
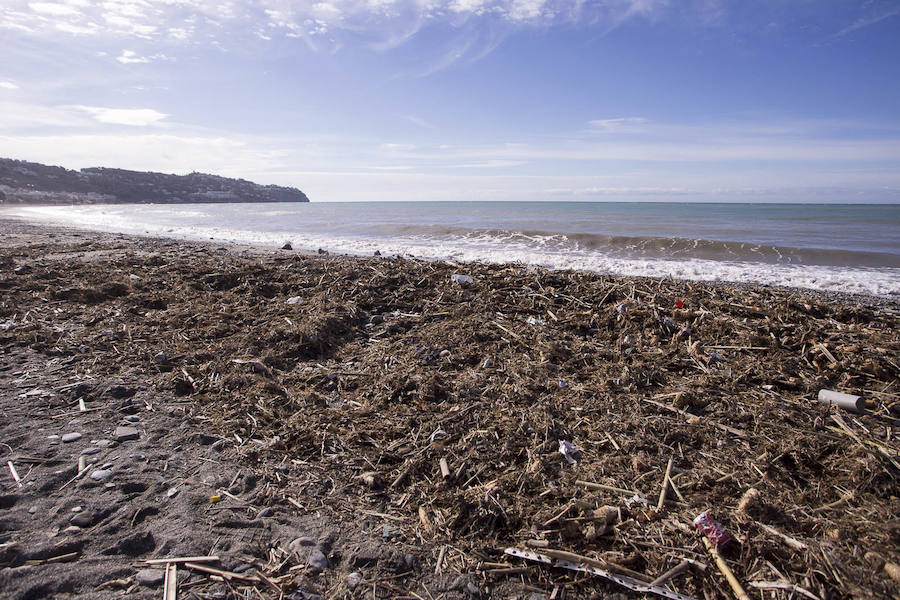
point(339, 427)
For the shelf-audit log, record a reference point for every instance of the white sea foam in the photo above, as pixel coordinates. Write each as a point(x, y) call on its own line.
point(551, 251)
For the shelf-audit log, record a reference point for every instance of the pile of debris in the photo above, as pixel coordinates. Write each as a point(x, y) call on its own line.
point(527, 431)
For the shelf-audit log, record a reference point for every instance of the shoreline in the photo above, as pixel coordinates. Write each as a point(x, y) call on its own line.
point(258, 249)
point(367, 423)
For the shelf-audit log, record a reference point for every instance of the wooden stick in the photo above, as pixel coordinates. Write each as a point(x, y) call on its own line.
point(506, 571)
point(676, 490)
point(15, 475)
point(440, 560)
point(736, 347)
point(606, 488)
point(600, 564)
point(53, 559)
point(66, 484)
point(62, 557)
point(233, 497)
point(426, 521)
point(170, 586)
point(725, 570)
point(671, 573)
point(372, 513)
point(227, 575)
point(795, 544)
point(558, 515)
point(824, 349)
point(665, 486)
point(688, 415)
point(612, 440)
point(837, 502)
point(181, 559)
point(270, 582)
point(783, 585)
point(515, 335)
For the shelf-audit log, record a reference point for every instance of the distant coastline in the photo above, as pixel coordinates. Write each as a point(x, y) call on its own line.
point(28, 183)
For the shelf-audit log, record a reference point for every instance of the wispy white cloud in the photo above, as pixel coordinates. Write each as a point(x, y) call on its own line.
point(135, 117)
point(8, 85)
point(385, 23)
point(128, 57)
point(54, 9)
point(472, 28)
point(869, 19)
point(688, 161)
point(615, 125)
point(180, 153)
point(418, 121)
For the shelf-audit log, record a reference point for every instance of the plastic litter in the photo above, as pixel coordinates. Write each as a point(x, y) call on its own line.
point(461, 279)
point(568, 450)
point(845, 401)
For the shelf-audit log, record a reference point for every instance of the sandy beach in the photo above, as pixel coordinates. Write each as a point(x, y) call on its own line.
point(337, 427)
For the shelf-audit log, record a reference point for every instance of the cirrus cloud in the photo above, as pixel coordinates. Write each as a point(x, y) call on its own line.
point(135, 117)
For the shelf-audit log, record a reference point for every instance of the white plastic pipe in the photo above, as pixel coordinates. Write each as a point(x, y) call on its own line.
point(845, 401)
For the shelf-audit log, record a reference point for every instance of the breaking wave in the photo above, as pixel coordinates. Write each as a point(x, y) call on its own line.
point(840, 270)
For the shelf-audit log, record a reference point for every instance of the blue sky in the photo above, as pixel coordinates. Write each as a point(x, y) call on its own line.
point(792, 100)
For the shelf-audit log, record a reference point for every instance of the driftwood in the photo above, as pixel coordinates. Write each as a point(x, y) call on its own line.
point(455, 403)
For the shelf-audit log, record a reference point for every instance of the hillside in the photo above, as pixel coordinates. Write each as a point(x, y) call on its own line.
point(24, 182)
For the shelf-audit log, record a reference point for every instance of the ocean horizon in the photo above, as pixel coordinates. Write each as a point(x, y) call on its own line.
point(851, 248)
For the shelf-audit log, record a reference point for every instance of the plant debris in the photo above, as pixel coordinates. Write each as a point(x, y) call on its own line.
point(442, 418)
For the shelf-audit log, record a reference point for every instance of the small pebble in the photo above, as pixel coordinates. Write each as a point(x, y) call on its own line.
point(77, 509)
point(101, 475)
point(172, 492)
point(133, 418)
point(124, 434)
point(317, 561)
point(300, 542)
point(160, 358)
point(71, 437)
point(71, 529)
point(103, 443)
point(266, 512)
point(150, 577)
point(82, 520)
point(89, 451)
point(32, 510)
point(354, 579)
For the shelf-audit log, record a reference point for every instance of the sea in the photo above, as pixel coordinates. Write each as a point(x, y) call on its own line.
point(832, 247)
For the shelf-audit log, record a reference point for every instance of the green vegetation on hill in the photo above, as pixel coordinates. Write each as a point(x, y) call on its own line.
point(24, 182)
